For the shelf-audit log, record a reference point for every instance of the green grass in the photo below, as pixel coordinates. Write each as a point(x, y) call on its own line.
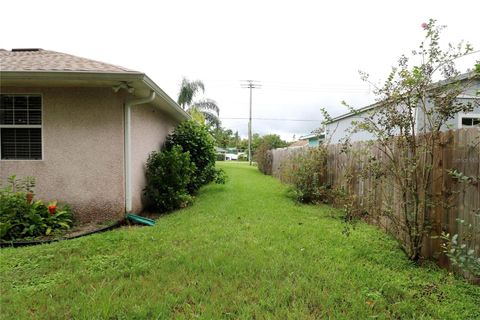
point(243, 250)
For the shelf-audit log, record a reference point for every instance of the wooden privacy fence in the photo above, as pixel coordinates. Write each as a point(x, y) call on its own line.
point(458, 150)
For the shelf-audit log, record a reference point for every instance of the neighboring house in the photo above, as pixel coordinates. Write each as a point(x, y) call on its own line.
point(82, 128)
point(314, 139)
point(234, 154)
point(298, 144)
point(338, 128)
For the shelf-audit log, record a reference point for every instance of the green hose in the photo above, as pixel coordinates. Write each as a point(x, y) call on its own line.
point(140, 220)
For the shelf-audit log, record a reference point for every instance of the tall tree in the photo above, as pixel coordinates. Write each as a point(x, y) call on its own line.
point(223, 137)
point(206, 107)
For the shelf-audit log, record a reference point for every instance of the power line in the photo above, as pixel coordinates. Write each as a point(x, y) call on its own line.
point(271, 119)
point(295, 86)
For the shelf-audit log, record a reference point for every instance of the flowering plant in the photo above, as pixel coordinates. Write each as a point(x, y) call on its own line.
point(52, 207)
point(21, 219)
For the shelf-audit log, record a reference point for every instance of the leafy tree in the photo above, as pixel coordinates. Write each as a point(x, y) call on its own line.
point(207, 108)
point(224, 137)
point(261, 147)
point(236, 139)
point(273, 141)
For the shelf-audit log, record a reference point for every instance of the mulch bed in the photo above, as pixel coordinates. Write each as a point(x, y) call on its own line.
point(75, 232)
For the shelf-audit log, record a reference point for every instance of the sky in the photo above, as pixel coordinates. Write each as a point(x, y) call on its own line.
point(306, 54)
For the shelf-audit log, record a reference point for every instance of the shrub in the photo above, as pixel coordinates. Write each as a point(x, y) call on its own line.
point(242, 157)
point(263, 157)
point(20, 218)
point(195, 139)
point(220, 176)
point(307, 175)
point(461, 252)
point(169, 173)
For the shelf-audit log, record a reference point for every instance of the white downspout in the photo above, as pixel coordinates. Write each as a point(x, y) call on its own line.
point(128, 146)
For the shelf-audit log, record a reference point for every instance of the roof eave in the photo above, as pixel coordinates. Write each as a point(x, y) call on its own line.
point(461, 77)
point(178, 110)
point(348, 115)
point(69, 75)
point(7, 77)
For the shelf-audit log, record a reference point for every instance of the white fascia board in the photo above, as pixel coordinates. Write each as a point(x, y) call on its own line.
point(160, 93)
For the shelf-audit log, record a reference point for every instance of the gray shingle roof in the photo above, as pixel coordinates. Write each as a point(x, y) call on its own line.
point(45, 60)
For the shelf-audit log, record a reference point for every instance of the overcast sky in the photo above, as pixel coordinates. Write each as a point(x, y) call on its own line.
point(305, 53)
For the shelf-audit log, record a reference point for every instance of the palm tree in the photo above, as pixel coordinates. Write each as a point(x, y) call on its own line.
point(207, 108)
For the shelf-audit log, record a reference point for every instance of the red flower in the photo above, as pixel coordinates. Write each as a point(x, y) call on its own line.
point(424, 25)
point(52, 208)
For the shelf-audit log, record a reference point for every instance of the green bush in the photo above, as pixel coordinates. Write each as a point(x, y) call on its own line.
point(169, 173)
point(264, 159)
point(220, 176)
point(307, 175)
point(20, 218)
point(186, 163)
point(242, 157)
point(195, 139)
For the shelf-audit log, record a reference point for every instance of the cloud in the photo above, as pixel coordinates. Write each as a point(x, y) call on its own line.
point(306, 53)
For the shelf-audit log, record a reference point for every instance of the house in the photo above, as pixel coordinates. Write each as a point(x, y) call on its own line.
point(234, 154)
point(298, 144)
point(314, 139)
point(82, 128)
point(338, 128)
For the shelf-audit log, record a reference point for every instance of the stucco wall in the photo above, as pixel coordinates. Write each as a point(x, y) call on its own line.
point(149, 129)
point(82, 151)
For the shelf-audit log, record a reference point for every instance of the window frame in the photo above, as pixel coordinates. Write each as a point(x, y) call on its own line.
point(26, 126)
point(466, 115)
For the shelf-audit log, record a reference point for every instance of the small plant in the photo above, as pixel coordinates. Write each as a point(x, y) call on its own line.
point(307, 175)
point(461, 249)
point(461, 252)
point(22, 218)
point(242, 157)
point(28, 184)
point(169, 174)
point(220, 176)
point(462, 178)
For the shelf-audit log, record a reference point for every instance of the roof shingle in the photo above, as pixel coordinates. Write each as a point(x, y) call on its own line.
point(45, 60)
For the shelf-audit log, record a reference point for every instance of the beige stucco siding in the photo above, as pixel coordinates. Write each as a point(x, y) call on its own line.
point(82, 151)
point(149, 129)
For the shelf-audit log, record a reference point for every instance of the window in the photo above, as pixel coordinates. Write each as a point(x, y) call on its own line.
point(468, 121)
point(20, 127)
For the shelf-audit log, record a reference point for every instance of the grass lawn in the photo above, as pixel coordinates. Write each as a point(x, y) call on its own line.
point(243, 250)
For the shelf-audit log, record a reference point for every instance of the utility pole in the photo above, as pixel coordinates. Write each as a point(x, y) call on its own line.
point(250, 84)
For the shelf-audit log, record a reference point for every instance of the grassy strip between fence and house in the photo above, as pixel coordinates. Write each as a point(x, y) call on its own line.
point(243, 250)
point(363, 179)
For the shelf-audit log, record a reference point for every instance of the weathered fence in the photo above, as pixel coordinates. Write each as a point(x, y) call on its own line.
point(457, 150)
